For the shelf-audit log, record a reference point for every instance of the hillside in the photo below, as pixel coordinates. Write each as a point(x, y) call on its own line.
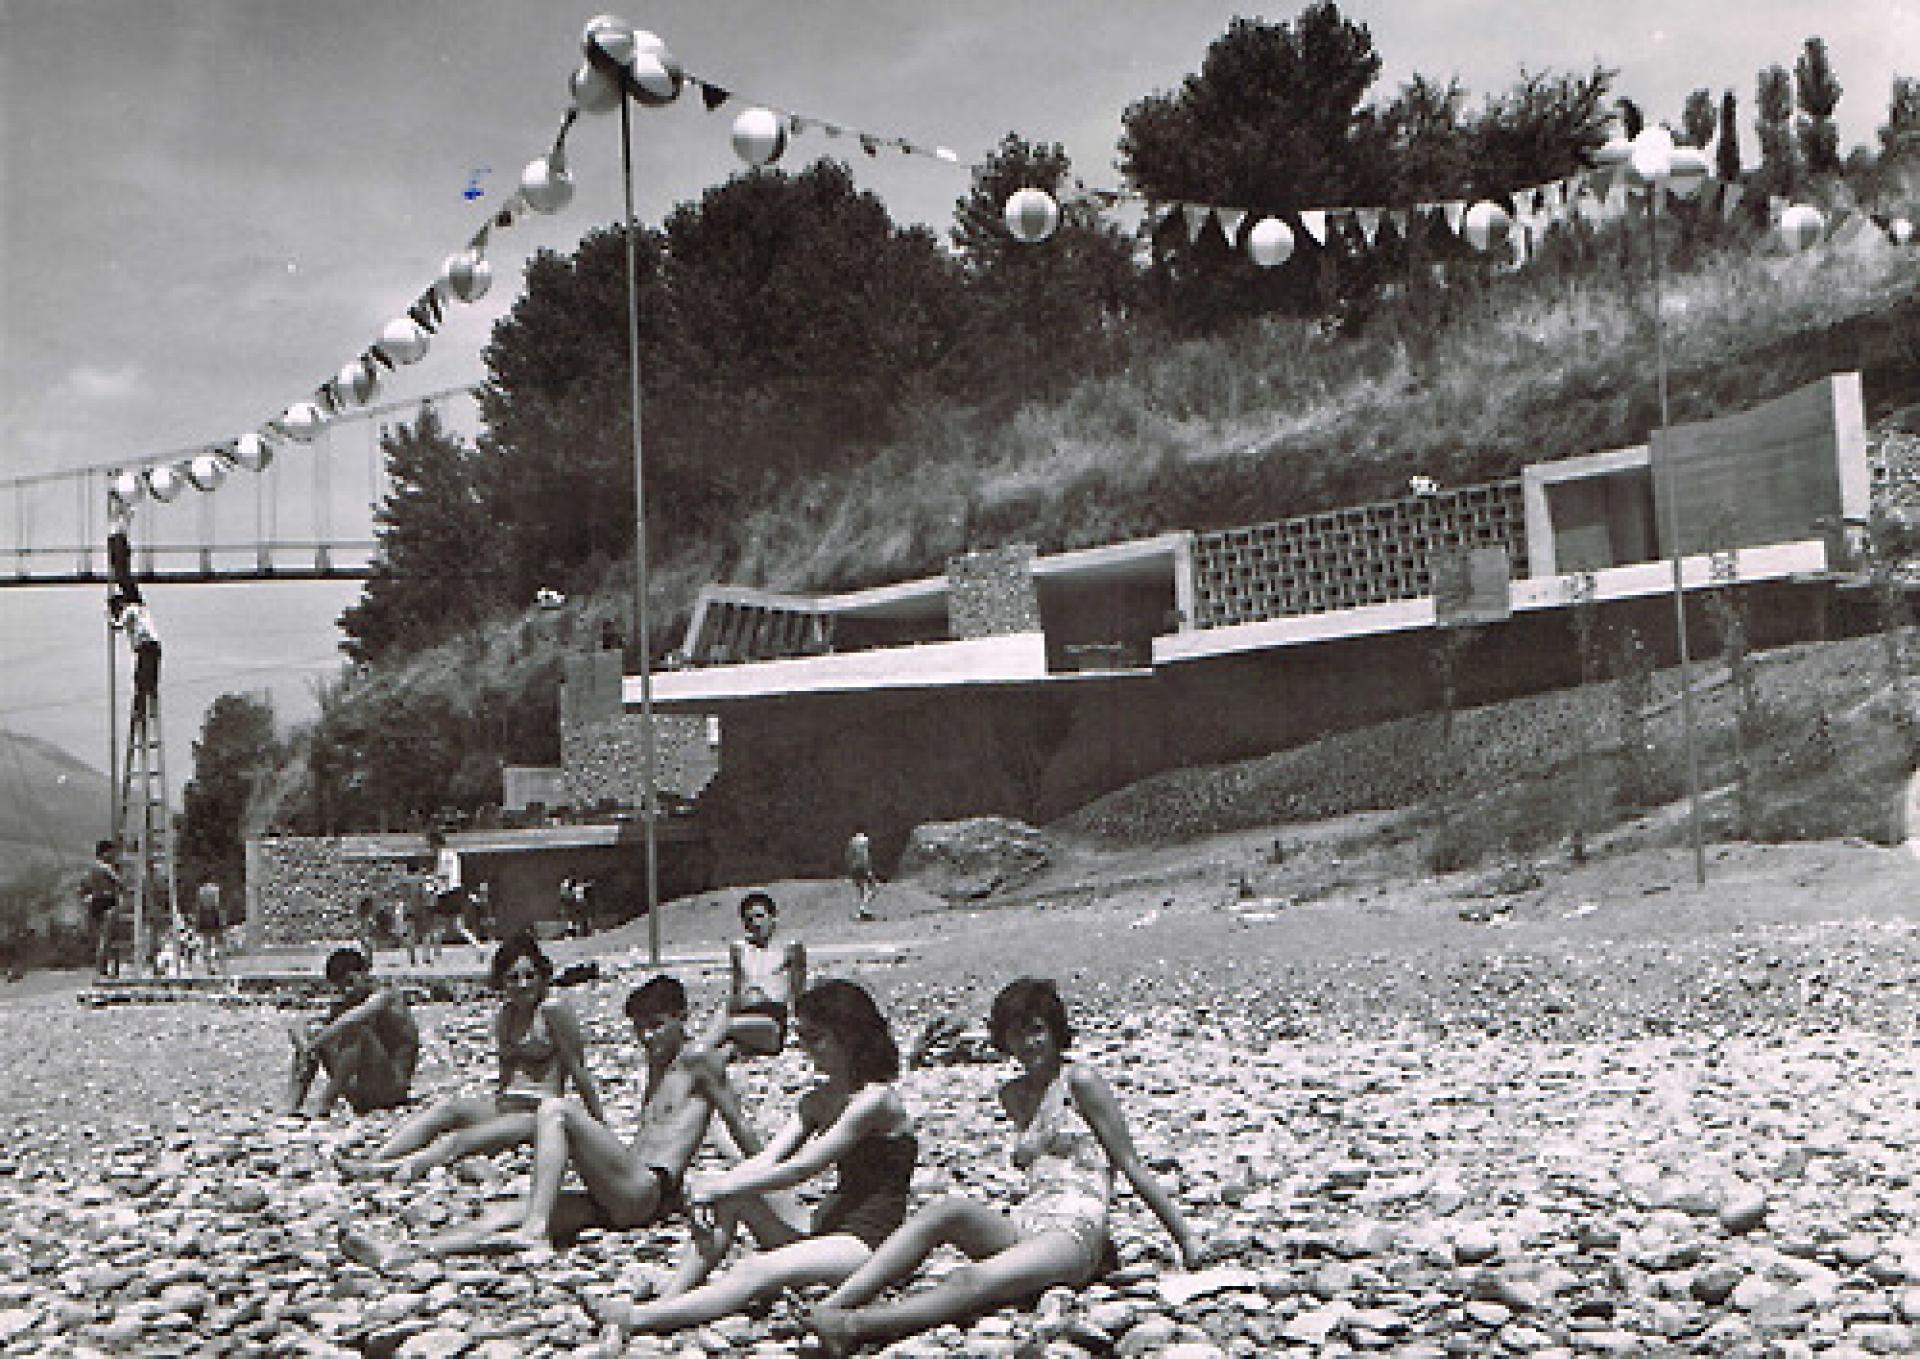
point(52, 805)
point(1279, 418)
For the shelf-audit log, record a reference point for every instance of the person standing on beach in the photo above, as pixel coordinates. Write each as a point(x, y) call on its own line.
point(860, 872)
point(210, 922)
point(100, 890)
point(421, 944)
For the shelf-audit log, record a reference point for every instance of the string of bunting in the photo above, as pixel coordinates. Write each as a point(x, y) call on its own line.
point(621, 62)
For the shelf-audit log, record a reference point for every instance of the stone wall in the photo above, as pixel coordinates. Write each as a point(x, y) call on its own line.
point(301, 889)
point(991, 594)
point(602, 755)
point(604, 761)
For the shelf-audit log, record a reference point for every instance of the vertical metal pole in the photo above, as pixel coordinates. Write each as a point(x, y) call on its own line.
point(1654, 190)
point(650, 802)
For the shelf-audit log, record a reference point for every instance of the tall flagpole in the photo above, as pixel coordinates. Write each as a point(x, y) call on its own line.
point(650, 805)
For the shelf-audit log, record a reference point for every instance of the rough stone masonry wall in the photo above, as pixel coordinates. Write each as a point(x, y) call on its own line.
point(604, 761)
point(991, 593)
point(1364, 554)
point(302, 889)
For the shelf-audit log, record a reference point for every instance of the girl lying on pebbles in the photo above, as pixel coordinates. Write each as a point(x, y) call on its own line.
point(1071, 1137)
point(538, 1040)
point(852, 1122)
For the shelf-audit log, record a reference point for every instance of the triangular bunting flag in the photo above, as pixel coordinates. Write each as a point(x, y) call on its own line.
point(713, 96)
point(867, 144)
point(942, 153)
point(1616, 200)
point(478, 241)
point(1402, 223)
point(1315, 221)
point(1729, 200)
point(1230, 220)
point(1455, 211)
point(1196, 216)
point(1551, 202)
point(1369, 220)
point(1775, 206)
point(379, 355)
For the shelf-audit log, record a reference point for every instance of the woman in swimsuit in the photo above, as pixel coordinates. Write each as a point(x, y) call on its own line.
point(1071, 1137)
point(540, 1048)
point(853, 1122)
point(764, 980)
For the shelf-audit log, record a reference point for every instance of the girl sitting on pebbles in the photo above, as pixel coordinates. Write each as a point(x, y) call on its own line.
point(853, 1122)
point(540, 1049)
point(1071, 1137)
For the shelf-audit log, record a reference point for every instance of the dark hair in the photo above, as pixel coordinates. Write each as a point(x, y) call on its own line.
point(520, 944)
point(766, 898)
point(1025, 999)
point(102, 848)
point(342, 963)
point(848, 1011)
point(661, 995)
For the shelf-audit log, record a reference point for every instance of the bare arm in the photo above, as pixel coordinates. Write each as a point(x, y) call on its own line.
point(504, 1075)
point(796, 968)
point(572, 1048)
point(873, 1108)
point(1094, 1098)
point(364, 1013)
point(737, 981)
point(742, 1179)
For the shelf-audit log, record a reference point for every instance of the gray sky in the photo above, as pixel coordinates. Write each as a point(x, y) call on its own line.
point(209, 205)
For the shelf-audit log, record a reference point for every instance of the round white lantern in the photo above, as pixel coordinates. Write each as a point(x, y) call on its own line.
point(1487, 226)
point(403, 341)
point(304, 421)
point(1801, 225)
point(1270, 243)
point(206, 472)
point(654, 75)
point(545, 187)
point(759, 136)
point(466, 276)
point(1899, 231)
point(1032, 215)
point(1651, 161)
point(611, 35)
point(252, 452)
point(165, 483)
point(594, 89)
point(125, 487)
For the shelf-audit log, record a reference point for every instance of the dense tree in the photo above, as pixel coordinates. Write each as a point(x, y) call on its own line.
point(1726, 151)
point(1819, 93)
point(1900, 134)
point(1538, 130)
point(436, 569)
point(1779, 171)
point(1697, 120)
point(785, 320)
point(238, 745)
point(1269, 124)
point(1039, 314)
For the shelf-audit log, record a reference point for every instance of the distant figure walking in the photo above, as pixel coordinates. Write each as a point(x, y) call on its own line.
point(422, 946)
point(860, 872)
point(100, 890)
point(210, 922)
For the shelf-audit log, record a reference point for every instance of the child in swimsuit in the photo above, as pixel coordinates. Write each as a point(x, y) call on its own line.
point(852, 1122)
point(764, 979)
point(1071, 1137)
point(540, 1048)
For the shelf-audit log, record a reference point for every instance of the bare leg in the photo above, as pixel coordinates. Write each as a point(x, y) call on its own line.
point(972, 1226)
point(1013, 1273)
point(305, 1065)
point(566, 1134)
point(810, 1260)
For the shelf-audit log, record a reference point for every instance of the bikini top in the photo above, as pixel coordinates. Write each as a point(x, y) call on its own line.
point(1059, 1150)
point(533, 1059)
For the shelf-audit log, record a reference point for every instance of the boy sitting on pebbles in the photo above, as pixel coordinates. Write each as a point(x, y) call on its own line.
point(368, 1044)
point(625, 1187)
